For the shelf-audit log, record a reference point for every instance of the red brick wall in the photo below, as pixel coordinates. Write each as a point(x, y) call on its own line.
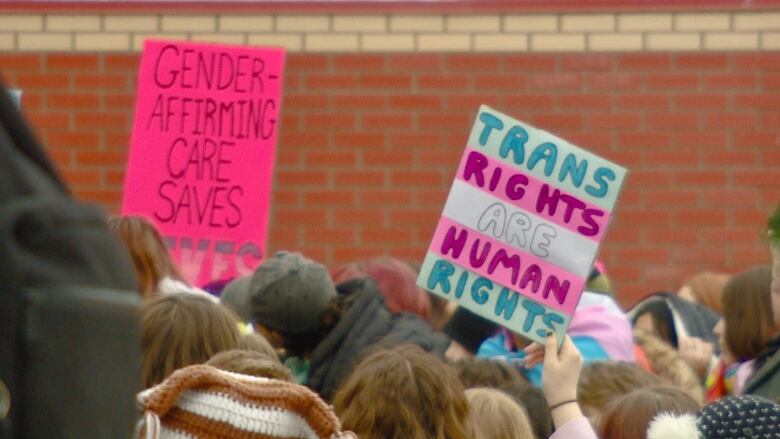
point(369, 145)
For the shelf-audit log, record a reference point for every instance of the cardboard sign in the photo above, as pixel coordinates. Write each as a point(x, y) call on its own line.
point(521, 227)
point(202, 153)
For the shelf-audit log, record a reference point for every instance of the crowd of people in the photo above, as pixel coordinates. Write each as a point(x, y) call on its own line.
point(297, 349)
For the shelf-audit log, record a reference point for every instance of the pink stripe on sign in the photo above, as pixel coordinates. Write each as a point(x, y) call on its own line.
point(485, 172)
point(470, 257)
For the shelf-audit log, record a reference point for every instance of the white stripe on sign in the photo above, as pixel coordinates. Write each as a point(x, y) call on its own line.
point(526, 231)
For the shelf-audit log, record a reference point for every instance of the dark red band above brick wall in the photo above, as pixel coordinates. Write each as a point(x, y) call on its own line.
point(383, 6)
point(369, 145)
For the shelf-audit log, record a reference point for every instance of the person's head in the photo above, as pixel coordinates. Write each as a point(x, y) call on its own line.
point(705, 288)
point(292, 302)
point(179, 330)
point(604, 381)
point(397, 282)
point(747, 324)
point(483, 372)
point(256, 342)
point(496, 415)
point(403, 393)
point(628, 417)
point(150, 257)
point(250, 363)
point(656, 317)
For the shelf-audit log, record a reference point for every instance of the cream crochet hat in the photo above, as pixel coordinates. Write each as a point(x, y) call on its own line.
point(204, 402)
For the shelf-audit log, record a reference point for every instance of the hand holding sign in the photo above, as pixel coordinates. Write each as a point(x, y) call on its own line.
point(521, 227)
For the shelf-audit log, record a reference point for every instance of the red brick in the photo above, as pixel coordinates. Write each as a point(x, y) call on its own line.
point(37, 81)
point(395, 235)
point(289, 178)
point(614, 121)
point(599, 62)
point(100, 158)
point(499, 82)
point(74, 139)
point(699, 217)
point(589, 139)
point(644, 62)
point(371, 102)
point(447, 82)
point(387, 121)
point(415, 178)
point(115, 178)
point(657, 255)
point(386, 81)
point(81, 178)
point(350, 62)
point(384, 158)
point(764, 101)
point(415, 102)
point(445, 121)
point(447, 159)
point(20, 61)
point(614, 81)
point(731, 120)
point(670, 237)
point(71, 62)
point(757, 61)
point(307, 61)
point(705, 140)
point(386, 197)
point(662, 121)
point(671, 81)
point(555, 81)
point(700, 178)
point(730, 158)
point(731, 198)
point(89, 120)
point(330, 82)
point(699, 61)
point(359, 140)
point(73, 101)
point(119, 101)
point(416, 140)
point(92, 81)
point(102, 196)
point(642, 140)
point(529, 63)
point(352, 254)
point(728, 236)
point(472, 63)
point(300, 216)
point(642, 101)
point(719, 82)
point(756, 178)
point(328, 197)
point(361, 216)
point(672, 158)
point(331, 158)
point(360, 178)
point(671, 197)
point(584, 102)
point(48, 119)
point(415, 216)
point(288, 158)
point(536, 101)
point(126, 63)
point(329, 235)
point(405, 63)
point(559, 121)
point(771, 81)
point(428, 197)
point(307, 101)
point(701, 101)
point(117, 140)
point(327, 121)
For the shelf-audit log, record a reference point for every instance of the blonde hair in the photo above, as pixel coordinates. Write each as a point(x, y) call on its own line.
point(498, 416)
point(179, 330)
point(403, 393)
point(667, 363)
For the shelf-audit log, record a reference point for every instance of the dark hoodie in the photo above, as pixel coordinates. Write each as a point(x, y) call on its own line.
point(366, 323)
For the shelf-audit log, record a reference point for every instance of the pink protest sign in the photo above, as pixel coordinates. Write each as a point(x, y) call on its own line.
point(202, 152)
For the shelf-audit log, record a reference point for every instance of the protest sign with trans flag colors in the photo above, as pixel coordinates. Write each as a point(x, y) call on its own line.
point(522, 226)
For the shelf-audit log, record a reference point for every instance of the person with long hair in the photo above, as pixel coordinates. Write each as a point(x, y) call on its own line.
point(629, 416)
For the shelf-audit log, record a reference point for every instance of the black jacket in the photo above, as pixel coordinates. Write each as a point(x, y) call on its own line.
point(366, 323)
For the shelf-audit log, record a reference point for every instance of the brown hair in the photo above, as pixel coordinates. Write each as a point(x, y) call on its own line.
point(179, 330)
point(496, 415)
point(707, 289)
point(484, 372)
point(403, 393)
point(256, 342)
point(151, 260)
point(603, 381)
point(250, 363)
point(747, 312)
point(628, 417)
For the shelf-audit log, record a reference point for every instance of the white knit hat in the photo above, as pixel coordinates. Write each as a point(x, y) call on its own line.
point(204, 402)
